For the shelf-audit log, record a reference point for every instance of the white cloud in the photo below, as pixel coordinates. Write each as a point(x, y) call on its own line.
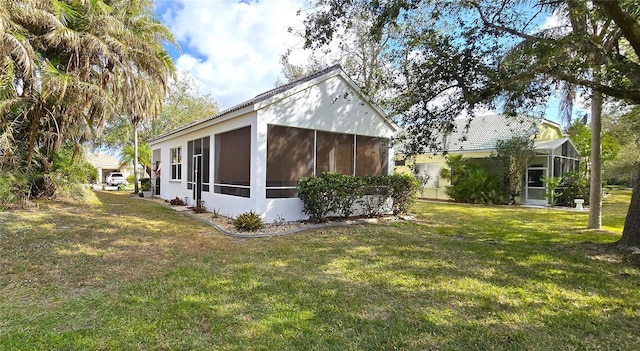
point(558, 21)
point(232, 49)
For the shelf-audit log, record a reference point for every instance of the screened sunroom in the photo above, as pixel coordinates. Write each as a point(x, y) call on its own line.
point(554, 158)
point(251, 156)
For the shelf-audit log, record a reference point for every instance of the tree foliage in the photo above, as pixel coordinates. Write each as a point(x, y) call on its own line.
point(366, 61)
point(68, 67)
point(457, 56)
point(511, 158)
point(182, 104)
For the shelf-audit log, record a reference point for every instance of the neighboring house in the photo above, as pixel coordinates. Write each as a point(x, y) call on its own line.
point(105, 164)
point(555, 154)
point(251, 156)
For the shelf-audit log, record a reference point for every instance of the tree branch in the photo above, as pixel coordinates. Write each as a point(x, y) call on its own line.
point(627, 23)
point(511, 31)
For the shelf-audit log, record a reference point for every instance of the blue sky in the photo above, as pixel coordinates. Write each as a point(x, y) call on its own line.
point(232, 48)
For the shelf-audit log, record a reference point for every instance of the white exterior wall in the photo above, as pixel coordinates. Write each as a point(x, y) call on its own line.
point(330, 105)
point(170, 189)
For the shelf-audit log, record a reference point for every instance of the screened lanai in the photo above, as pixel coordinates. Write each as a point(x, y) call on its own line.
point(554, 158)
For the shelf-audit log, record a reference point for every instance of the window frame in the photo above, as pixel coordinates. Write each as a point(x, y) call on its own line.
point(175, 162)
point(281, 192)
point(225, 187)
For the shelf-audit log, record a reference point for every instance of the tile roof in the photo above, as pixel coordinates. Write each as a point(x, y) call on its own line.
point(485, 131)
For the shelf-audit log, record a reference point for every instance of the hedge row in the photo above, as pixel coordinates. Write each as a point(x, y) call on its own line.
point(339, 194)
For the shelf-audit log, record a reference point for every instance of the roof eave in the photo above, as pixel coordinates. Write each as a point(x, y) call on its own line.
point(203, 123)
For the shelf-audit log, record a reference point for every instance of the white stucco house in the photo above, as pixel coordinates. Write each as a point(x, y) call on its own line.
point(250, 156)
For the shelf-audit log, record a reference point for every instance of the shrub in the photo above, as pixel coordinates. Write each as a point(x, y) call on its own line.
point(145, 184)
point(14, 190)
point(317, 197)
point(200, 208)
point(375, 194)
point(345, 190)
point(474, 185)
point(403, 188)
point(248, 221)
point(551, 184)
point(576, 186)
point(177, 202)
point(334, 192)
point(66, 177)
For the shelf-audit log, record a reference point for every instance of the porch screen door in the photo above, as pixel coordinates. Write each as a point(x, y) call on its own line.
point(197, 179)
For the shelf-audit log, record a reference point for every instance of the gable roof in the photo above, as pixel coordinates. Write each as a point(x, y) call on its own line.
point(257, 101)
point(485, 131)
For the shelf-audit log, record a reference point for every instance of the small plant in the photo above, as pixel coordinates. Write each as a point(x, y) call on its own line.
point(215, 213)
point(177, 202)
point(200, 209)
point(279, 220)
point(145, 184)
point(551, 184)
point(249, 221)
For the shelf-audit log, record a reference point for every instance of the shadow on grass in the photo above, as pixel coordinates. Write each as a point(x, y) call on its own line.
point(471, 278)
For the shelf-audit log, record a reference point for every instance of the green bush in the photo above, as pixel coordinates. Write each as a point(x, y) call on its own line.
point(249, 221)
point(66, 178)
point(345, 190)
point(475, 185)
point(338, 193)
point(14, 190)
point(403, 188)
point(576, 186)
point(375, 195)
point(317, 197)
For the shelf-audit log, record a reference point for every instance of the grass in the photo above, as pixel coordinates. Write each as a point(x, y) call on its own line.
point(127, 274)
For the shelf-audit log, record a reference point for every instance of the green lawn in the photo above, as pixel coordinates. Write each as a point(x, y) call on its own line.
point(128, 274)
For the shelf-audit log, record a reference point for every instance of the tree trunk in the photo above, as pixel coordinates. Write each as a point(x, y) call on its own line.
point(631, 232)
point(135, 159)
point(595, 196)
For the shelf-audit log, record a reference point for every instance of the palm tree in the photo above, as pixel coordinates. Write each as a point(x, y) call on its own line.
point(91, 61)
point(127, 157)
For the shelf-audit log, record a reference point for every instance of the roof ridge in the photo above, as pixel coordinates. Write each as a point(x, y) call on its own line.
point(296, 82)
point(258, 98)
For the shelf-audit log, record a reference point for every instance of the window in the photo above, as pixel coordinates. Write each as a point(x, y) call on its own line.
point(372, 156)
point(535, 178)
point(334, 153)
point(292, 154)
point(233, 162)
point(176, 163)
point(429, 173)
point(289, 158)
